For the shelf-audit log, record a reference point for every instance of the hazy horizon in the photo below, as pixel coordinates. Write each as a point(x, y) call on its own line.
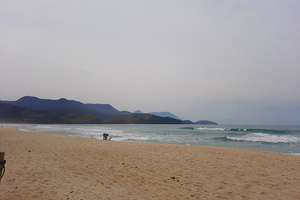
point(232, 62)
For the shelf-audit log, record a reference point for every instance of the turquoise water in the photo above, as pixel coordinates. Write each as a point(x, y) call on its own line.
point(284, 139)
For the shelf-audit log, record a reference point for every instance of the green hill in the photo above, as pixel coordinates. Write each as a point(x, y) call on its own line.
point(78, 118)
point(15, 114)
point(58, 107)
point(140, 119)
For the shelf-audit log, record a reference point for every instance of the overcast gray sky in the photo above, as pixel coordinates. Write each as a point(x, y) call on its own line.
point(233, 62)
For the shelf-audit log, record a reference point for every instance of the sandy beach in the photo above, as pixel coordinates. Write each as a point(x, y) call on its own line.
point(51, 166)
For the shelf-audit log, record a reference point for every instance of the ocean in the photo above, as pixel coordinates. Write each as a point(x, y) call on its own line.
point(284, 139)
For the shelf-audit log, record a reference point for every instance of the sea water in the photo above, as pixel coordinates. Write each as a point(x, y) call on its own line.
point(284, 139)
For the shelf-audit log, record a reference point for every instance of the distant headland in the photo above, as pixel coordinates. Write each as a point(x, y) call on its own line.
point(29, 109)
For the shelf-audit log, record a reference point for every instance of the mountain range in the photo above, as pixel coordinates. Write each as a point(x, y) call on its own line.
point(30, 109)
point(161, 114)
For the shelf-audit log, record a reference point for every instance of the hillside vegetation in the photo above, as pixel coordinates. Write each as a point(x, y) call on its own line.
point(30, 109)
point(16, 114)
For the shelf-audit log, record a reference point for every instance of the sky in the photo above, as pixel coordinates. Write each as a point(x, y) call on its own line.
point(228, 61)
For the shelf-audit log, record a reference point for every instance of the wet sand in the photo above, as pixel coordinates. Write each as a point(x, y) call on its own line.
point(51, 166)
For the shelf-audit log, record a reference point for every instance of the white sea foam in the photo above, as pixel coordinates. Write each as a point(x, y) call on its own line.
point(210, 129)
point(261, 137)
point(296, 154)
point(128, 137)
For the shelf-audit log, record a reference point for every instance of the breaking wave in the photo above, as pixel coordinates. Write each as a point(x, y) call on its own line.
point(210, 129)
point(268, 138)
point(189, 128)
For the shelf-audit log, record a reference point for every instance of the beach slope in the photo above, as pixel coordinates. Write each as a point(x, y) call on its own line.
point(51, 166)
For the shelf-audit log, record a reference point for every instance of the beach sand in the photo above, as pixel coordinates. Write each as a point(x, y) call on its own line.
point(51, 166)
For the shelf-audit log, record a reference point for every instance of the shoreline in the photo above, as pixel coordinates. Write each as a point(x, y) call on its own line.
point(257, 138)
point(17, 128)
point(53, 166)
